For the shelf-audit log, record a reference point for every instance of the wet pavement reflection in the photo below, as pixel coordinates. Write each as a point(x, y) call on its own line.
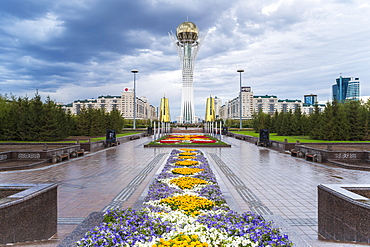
point(284, 186)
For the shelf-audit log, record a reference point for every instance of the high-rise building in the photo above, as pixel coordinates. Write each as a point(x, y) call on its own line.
point(123, 103)
point(346, 88)
point(233, 106)
point(187, 42)
point(268, 104)
point(218, 104)
point(310, 99)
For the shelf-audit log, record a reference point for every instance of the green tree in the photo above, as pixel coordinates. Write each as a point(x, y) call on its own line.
point(55, 124)
point(366, 122)
point(97, 121)
point(275, 122)
point(24, 121)
point(7, 120)
point(297, 125)
point(341, 128)
point(356, 117)
point(35, 121)
point(326, 130)
point(82, 123)
point(260, 120)
point(286, 128)
point(314, 123)
point(115, 121)
point(305, 125)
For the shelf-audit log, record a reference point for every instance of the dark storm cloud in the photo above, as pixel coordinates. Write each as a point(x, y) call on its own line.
point(86, 48)
point(29, 9)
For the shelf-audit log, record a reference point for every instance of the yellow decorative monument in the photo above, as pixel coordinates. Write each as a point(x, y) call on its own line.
point(210, 110)
point(164, 115)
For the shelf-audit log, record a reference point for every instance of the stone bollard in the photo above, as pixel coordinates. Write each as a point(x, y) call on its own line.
point(54, 159)
point(319, 158)
point(74, 154)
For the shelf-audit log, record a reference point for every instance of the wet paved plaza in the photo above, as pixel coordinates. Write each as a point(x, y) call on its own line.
point(253, 178)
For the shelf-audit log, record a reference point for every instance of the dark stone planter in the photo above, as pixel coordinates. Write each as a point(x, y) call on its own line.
point(28, 215)
point(344, 212)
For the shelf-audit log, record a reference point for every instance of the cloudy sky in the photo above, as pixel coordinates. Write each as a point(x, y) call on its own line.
point(82, 49)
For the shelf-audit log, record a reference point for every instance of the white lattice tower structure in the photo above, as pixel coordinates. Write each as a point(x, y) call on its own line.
point(187, 42)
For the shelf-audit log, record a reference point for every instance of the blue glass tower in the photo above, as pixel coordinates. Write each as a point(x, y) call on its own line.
point(346, 88)
point(310, 99)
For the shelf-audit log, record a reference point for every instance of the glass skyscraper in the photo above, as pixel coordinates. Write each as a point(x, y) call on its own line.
point(310, 99)
point(346, 88)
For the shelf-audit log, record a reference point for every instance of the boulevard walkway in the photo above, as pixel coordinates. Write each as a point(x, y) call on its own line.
point(273, 184)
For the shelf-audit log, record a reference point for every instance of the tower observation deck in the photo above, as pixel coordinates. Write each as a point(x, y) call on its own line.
point(187, 42)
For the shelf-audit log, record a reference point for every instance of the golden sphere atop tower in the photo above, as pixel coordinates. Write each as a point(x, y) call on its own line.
point(187, 32)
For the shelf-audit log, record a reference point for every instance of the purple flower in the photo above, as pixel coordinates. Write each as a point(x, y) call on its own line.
point(127, 226)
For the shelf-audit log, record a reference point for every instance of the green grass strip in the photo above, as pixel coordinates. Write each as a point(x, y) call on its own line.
point(102, 138)
point(291, 139)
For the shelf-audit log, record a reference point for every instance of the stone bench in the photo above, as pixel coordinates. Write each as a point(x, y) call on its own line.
point(62, 157)
point(310, 157)
point(294, 153)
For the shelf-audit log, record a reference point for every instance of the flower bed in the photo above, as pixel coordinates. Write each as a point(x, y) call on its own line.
point(184, 207)
point(187, 139)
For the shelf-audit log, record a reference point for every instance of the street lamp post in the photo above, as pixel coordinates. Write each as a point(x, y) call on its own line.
point(240, 71)
point(134, 71)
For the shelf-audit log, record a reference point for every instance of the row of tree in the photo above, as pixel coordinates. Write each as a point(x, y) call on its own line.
point(339, 121)
point(24, 119)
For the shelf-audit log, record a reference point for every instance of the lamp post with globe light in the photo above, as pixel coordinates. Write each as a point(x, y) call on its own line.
point(134, 71)
point(240, 71)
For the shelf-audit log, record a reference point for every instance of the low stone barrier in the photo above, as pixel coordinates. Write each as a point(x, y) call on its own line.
point(96, 146)
point(29, 215)
point(281, 146)
point(276, 145)
point(329, 154)
point(344, 212)
point(37, 156)
point(45, 152)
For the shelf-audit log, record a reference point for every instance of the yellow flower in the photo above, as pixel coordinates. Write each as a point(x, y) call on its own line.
point(186, 171)
point(187, 154)
point(181, 240)
point(186, 157)
point(188, 149)
point(187, 182)
point(189, 204)
point(186, 163)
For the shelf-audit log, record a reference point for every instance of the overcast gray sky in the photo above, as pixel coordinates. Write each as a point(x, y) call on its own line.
point(82, 49)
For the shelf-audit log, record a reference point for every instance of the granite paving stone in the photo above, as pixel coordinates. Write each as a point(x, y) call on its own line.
point(282, 187)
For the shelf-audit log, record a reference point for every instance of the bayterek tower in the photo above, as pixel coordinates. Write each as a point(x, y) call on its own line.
point(187, 42)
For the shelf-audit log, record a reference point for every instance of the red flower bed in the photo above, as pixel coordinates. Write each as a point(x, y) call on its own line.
point(204, 141)
point(168, 141)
